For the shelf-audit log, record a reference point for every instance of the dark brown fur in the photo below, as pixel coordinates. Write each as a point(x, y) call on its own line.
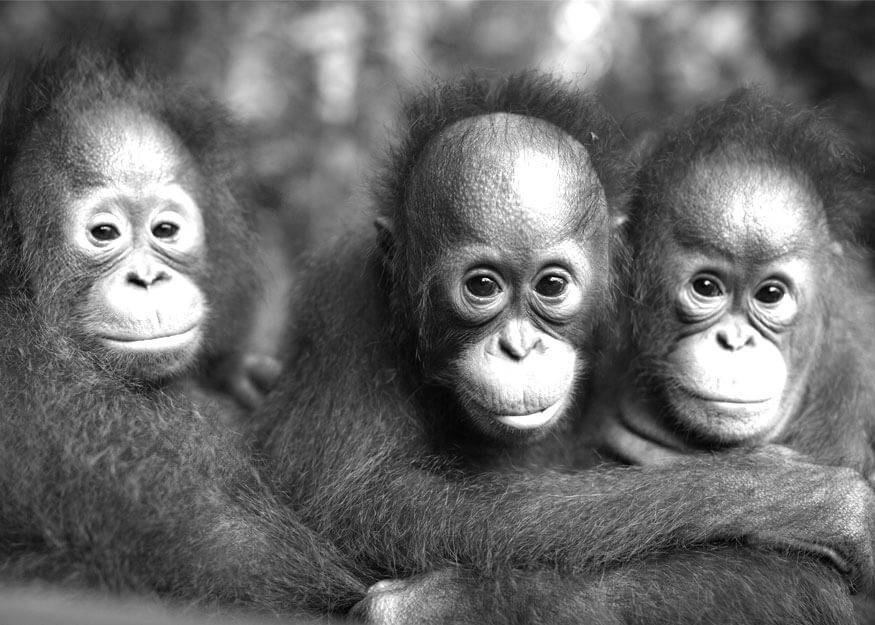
point(834, 424)
point(378, 459)
point(106, 482)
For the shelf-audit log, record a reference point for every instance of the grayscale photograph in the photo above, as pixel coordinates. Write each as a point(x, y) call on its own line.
point(437, 312)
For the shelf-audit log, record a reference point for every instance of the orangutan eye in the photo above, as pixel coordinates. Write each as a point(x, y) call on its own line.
point(707, 286)
point(551, 286)
point(482, 286)
point(771, 293)
point(775, 302)
point(702, 297)
point(165, 230)
point(479, 294)
point(105, 232)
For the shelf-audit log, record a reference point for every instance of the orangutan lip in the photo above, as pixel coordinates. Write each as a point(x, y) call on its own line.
point(153, 342)
point(723, 400)
point(531, 420)
point(137, 339)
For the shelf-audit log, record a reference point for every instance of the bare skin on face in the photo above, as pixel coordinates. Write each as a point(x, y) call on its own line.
point(740, 263)
point(743, 273)
point(512, 198)
point(131, 219)
point(745, 212)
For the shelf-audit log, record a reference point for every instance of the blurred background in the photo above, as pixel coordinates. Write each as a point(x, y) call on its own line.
point(317, 84)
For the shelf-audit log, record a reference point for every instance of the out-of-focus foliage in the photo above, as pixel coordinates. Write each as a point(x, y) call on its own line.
point(317, 83)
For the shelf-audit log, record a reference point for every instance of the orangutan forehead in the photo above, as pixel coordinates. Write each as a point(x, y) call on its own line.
point(497, 171)
point(746, 209)
point(128, 147)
